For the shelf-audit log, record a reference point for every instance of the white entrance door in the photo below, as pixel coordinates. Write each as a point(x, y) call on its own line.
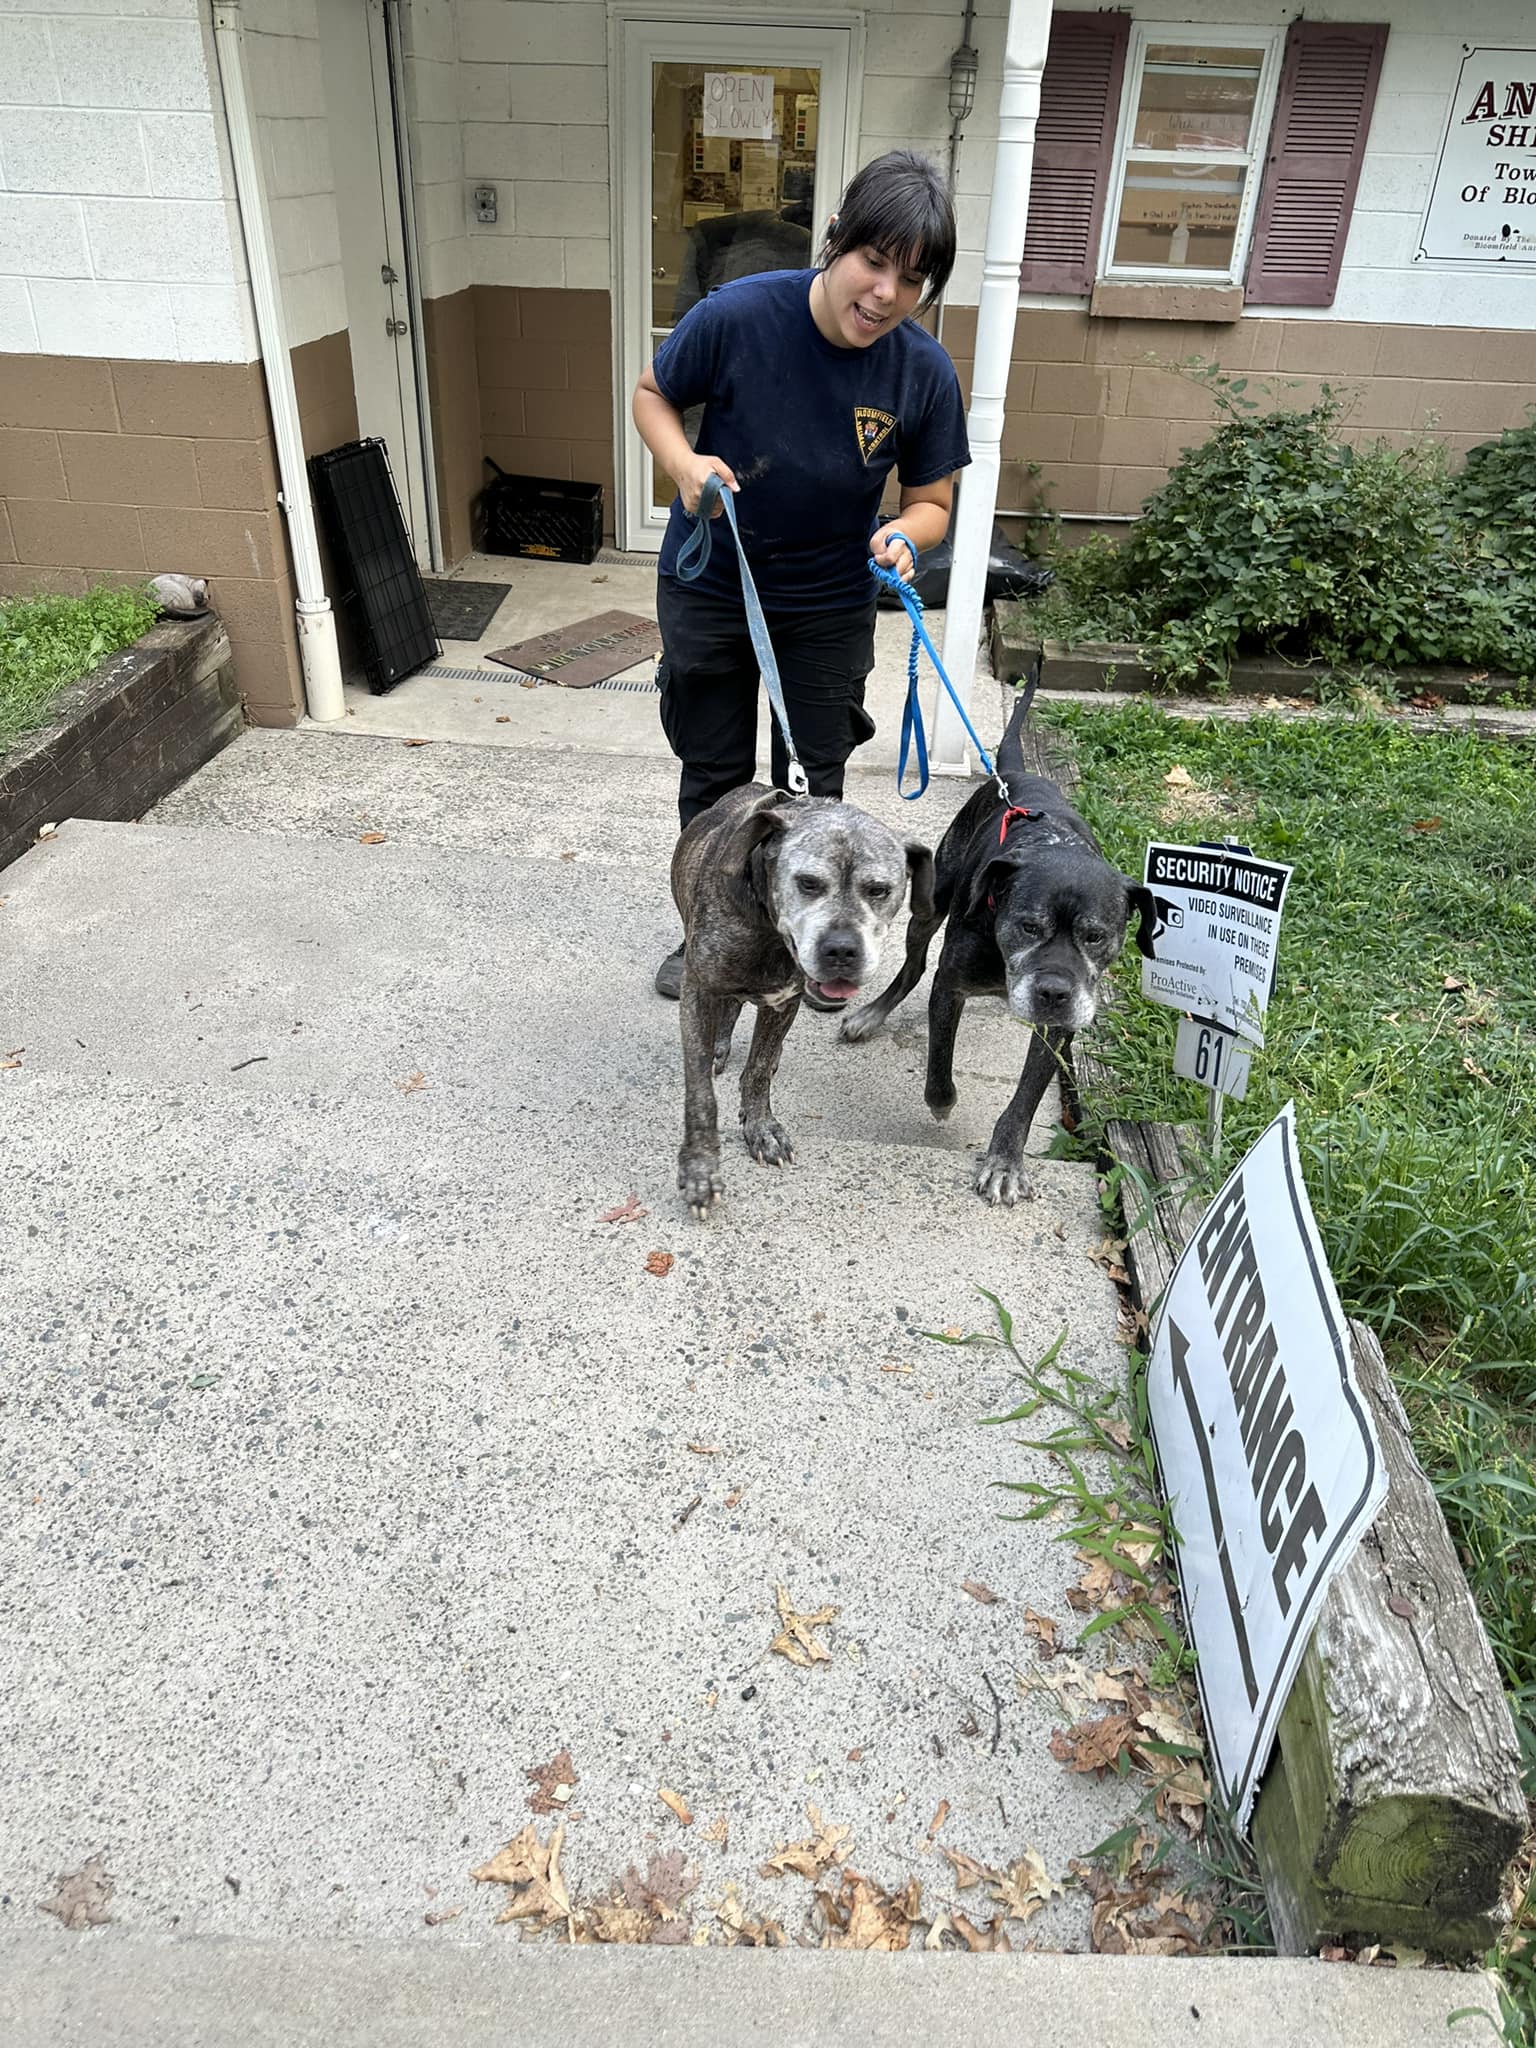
point(733, 142)
point(360, 60)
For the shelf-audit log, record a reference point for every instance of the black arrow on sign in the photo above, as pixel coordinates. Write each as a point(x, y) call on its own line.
point(1178, 1345)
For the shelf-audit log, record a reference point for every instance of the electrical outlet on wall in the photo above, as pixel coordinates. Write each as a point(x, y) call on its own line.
point(485, 205)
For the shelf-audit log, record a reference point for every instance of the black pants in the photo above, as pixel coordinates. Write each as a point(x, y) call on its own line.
point(710, 691)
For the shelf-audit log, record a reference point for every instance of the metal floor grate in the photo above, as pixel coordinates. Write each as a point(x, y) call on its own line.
point(610, 557)
point(439, 671)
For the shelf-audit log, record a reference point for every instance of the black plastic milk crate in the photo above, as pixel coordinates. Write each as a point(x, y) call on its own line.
point(382, 591)
point(541, 516)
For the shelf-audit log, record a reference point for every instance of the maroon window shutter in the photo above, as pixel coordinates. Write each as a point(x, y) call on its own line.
point(1316, 146)
point(1074, 151)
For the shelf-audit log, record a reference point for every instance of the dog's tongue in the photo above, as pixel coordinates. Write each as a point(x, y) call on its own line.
point(836, 991)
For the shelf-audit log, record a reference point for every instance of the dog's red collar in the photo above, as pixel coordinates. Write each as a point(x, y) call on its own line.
point(1013, 811)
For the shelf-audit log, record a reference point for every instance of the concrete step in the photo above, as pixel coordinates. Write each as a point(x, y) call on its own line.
point(316, 783)
point(255, 965)
point(308, 1994)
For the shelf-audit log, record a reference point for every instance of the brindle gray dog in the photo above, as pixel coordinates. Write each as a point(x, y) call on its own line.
point(780, 898)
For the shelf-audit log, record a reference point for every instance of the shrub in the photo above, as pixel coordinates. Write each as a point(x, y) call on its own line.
point(1275, 536)
point(49, 642)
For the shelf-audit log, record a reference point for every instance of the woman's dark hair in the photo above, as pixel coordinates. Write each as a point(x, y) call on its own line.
point(898, 204)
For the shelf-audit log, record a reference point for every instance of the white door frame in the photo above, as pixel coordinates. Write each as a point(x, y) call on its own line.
point(371, 169)
point(638, 35)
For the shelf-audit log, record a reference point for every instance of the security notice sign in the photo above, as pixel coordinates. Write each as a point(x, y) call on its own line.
point(1217, 934)
point(1482, 205)
point(1267, 1450)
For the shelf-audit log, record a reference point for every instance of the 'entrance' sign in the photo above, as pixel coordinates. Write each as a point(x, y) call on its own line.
point(1268, 1453)
point(1482, 206)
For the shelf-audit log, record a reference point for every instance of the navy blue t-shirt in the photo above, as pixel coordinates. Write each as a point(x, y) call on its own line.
point(811, 431)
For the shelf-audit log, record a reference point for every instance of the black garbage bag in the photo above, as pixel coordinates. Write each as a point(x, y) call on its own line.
point(1009, 574)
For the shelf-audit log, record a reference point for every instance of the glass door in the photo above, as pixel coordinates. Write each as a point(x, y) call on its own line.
point(741, 159)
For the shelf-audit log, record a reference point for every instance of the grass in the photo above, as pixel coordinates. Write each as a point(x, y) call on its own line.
point(47, 643)
point(1402, 1025)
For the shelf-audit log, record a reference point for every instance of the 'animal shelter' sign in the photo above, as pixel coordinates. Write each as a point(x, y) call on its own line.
point(1268, 1453)
point(1217, 934)
point(1482, 205)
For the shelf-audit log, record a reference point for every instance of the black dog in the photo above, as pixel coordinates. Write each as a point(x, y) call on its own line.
point(1035, 913)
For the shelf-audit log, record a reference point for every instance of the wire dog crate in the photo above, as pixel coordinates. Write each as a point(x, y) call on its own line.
point(382, 590)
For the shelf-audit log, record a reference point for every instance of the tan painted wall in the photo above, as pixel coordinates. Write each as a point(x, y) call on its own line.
point(110, 471)
point(1088, 402)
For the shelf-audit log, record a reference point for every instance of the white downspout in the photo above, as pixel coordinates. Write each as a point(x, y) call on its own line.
point(1029, 29)
point(317, 625)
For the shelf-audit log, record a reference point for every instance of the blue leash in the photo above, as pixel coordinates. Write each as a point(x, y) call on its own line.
point(690, 564)
point(912, 715)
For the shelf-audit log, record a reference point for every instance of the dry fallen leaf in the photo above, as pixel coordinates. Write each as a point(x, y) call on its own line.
point(979, 1592)
point(660, 1263)
point(412, 1083)
point(1025, 1887)
point(1178, 778)
point(705, 1450)
point(418, 743)
point(859, 1915)
point(939, 1819)
point(437, 1919)
point(503, 718)
point(1453, 981)
point(548, 1780)
point(371, 839)
point(81, 1898)
point(1041, 1626)
point(748, 1933)
point(1093, 1744)
point(531, 1871)
point(1425, 825)
point(675, 1803)
point(733, 1498)
point(666, 1883)
point(967, 1870)
point(47, 831)
point(717, 1831)
point(831, 1842)
point(627, 1211)
point(794, 1639)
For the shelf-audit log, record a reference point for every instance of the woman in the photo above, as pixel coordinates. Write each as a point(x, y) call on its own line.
point(815, 385)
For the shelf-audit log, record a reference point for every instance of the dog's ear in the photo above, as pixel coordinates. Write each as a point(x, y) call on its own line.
point(989, 879)
point(920, 879)
point(741, 865)
point(1143, 903)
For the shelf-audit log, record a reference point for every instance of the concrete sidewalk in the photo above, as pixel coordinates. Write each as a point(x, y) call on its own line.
point(351, 1450)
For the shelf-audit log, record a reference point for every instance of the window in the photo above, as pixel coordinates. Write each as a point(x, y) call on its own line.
point(1195, 115)
point(1199, 155)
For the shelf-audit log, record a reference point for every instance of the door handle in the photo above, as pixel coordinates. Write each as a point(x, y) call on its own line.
point(396, 327)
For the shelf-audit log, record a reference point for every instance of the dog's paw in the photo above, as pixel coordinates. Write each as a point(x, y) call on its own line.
point(941, 1100)
point(1002, 1180)
point(699, 1181)
point(767, 1141)
point(860, 1026)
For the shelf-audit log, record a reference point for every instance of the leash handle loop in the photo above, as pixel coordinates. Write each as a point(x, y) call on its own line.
point(912, 716)
point(692, 558)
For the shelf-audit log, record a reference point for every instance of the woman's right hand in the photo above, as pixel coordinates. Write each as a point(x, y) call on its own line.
point(695, 474)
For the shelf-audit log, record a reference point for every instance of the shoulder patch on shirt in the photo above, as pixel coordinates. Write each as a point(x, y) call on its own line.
point(873, 428)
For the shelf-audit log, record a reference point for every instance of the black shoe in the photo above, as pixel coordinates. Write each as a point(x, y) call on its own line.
point(669, 976)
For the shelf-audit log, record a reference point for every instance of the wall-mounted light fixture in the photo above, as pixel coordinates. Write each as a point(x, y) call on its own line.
point(962, 82)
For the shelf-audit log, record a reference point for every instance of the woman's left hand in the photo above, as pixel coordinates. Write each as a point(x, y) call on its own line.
point(900, 557)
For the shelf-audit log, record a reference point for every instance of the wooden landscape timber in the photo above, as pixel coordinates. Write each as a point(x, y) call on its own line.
point(1392, 1808)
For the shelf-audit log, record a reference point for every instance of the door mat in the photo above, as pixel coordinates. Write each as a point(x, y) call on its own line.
point(588, 652)
point(462, 611)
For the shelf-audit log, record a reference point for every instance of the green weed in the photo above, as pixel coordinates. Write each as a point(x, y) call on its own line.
point(46, 643)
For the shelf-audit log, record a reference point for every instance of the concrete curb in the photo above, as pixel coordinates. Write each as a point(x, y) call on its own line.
point(139, 1993)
